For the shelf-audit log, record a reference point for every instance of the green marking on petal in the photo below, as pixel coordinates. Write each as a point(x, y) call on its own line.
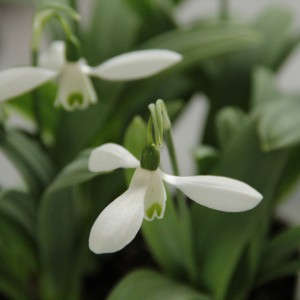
point(154, 209)
point(75, 99)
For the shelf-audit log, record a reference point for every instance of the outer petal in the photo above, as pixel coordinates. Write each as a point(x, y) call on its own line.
point(16, 81)
point(75, 88)
point(54, 57)
point(111, 156)
point(220, 193)
point(136, 65)
point(155, 200)
point(120, 221)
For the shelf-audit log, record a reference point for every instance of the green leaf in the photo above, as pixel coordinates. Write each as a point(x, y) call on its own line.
point(11, 288)
point(264, 87)
point(156, 16)
point(275, 25)
point(290, 177)
point(223, 238)
point(72, 174)
point(19, 208)
point(28, 157)
point(135, 140)
point(150, 285)
point(121, 35)
point(18, 253)
point(206, 157)
point(206, 41)
point(278, 252)
point(287, 269)
point(229, 122)
point(228, 81)
point(58, 227)
point(279, 124)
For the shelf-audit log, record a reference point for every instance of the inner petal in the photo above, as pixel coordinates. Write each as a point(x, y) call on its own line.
point(75, 88)
point(155, 199)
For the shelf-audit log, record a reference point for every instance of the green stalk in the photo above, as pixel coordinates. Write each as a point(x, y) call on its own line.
point(155, 123)
point(73, 4)
point(35, 99)
point(184, 216)
point(224, 10)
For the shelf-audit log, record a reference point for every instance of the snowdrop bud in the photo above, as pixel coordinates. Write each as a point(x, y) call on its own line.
point(150, 158)
point(73, 51)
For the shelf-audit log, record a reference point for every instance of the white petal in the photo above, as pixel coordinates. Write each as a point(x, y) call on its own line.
point(155, 200)
point(111, 156)
point(220, 193)
point(75, 88)
point(136, 65)
point(121, 220)
point(16, 81)
point(54, 57)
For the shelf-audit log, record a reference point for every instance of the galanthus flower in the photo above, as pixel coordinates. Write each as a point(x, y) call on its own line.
point(75, 87)
point(119, 222)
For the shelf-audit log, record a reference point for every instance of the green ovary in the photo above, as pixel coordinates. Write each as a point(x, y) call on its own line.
point(75, 99)
point(156, 207)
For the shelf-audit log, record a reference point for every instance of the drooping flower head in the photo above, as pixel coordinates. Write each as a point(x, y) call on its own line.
point(75, 89)
point(120, 221)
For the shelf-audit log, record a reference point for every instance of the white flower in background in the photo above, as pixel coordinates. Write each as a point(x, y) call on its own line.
point(75, 87)
point(119, 222)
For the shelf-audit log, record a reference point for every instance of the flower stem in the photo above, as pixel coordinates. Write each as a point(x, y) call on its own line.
point(184, 215)
point(35, 99)
point(73, 4)
point(224, 9)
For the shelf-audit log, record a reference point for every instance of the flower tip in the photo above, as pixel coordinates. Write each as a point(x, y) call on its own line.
point(94, 245)
point(257, 198)
point(136, 65)
point(250, 199)
point(177, 57)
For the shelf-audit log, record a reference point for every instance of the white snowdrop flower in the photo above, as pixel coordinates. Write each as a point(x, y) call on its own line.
point(75, 87)
point(120, 221)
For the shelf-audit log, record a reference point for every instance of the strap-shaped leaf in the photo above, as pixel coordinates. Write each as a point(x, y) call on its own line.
point(264, 87)
point(18, 258)
point(229, 122)
point(11, 288)
point(275, 25)
point(206, 41)
point(19, 208)
point(150, 285)
point(59, 246)
point(279, 124)
point(121, 35)
point(226, 238)
point(74, 173)
point(18, 255)
point(278, 253)
point(287, 269)
point(29, 158)
point(206, 157)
